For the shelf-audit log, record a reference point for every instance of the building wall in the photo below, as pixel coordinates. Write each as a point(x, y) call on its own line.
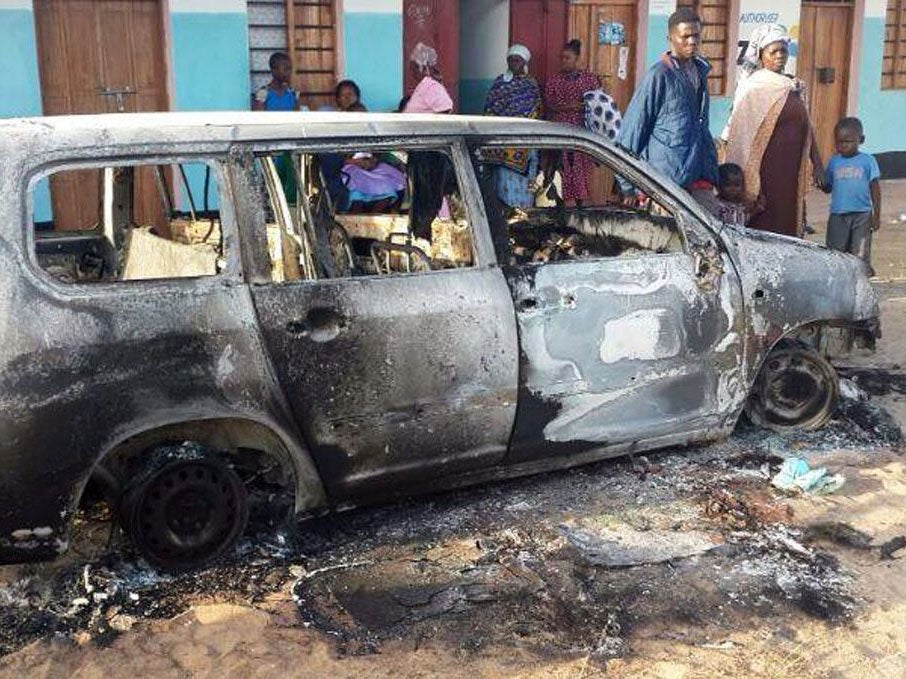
point(209, 58)
point(754, 13)
point(20, 86)
point(372, 50)
point(207, 71)
point(881, 111)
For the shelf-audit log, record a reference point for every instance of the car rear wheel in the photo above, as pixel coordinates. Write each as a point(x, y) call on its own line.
point(181, 512)
point(796, 389)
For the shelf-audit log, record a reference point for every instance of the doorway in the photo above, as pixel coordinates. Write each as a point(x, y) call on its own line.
point(436, 24)
point(100, 56)
point(608, 31)
point(825, 40)
point(609, 34)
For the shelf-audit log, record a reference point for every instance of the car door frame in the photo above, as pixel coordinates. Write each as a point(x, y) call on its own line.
point(714, 273)
point(350, 475)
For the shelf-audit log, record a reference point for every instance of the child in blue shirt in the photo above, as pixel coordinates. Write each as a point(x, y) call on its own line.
point(278, 94)
point(853, 180)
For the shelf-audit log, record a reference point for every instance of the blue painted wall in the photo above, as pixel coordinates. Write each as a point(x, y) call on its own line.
point(657, 41)
point(210, 58)
point(720, 114)
point(882, 111)
point(20, 86)
point(472, 94)
point(372, 48)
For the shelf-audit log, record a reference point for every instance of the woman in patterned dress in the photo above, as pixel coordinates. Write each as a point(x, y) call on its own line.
point(564, 102)
point(514, 94)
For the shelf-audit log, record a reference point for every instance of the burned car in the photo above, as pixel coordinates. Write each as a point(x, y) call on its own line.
point(192, 301)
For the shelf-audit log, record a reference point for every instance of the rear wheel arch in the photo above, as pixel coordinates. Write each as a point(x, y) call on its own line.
point(227, 434)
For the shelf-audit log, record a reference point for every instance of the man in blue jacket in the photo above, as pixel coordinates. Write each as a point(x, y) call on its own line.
point(667, 122)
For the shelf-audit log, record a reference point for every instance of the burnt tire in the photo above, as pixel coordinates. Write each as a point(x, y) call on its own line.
point(186, 508)
point(797, 389)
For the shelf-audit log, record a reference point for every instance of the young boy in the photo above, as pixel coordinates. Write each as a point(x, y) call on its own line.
point(278, 94)
point(730, 205)
point(853, 180)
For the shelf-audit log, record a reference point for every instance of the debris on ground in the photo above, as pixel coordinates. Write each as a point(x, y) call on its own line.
point(796, 475)
point(891, 546)
point(623, 546)
point(839, 533)
point(570, 563)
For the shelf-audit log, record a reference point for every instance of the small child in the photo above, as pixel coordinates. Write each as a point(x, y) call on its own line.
point(853, 180)
point(730, 205)
point(278, 94)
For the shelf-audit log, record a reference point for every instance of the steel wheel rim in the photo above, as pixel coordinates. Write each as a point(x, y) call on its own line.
point(187, 513)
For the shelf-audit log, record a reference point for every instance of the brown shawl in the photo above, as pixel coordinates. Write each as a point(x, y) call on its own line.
point(757, 106)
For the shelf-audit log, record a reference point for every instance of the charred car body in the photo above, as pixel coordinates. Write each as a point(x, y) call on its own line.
point(439, 339)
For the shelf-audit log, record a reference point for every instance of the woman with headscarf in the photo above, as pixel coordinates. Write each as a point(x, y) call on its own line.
point(564, 100)
point(770, 136)
point(429, 96)
point(431, 173)
point(514, 94)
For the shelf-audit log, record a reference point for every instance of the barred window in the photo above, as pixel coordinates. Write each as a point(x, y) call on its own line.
point(893, 71)
point(715, 16)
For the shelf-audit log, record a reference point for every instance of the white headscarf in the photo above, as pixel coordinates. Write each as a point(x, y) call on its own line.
point(521, 51)
point(762, 37)
point(424, 57)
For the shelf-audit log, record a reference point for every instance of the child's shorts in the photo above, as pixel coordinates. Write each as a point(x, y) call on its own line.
point(851, 232)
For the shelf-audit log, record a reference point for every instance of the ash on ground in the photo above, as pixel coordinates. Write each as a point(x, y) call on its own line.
point(567, 562)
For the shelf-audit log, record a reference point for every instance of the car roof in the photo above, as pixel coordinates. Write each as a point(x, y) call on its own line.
point(143, 128)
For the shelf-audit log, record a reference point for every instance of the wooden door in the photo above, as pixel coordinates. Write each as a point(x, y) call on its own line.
point(436, 24)
point(540, 25)
point(825, 39)
point(100, 56)
point(312, 36)
point(608, 31)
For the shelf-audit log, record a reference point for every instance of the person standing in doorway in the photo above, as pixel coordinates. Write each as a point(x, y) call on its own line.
point(667, 122)
point(564, 101)
point(514, 94)
point(770, 137)
point(278, 94)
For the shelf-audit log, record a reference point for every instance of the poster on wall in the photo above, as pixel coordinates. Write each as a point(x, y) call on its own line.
point(611, 33)
point(755, 13)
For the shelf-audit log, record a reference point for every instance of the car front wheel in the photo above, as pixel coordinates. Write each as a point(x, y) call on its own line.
point(797, 388)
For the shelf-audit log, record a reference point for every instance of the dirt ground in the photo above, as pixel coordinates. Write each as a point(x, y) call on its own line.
point(678, 564)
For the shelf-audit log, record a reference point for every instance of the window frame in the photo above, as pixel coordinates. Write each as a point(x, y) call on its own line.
point(482, 247)
point(894, 79)
point(229, 229)
point(696, 230)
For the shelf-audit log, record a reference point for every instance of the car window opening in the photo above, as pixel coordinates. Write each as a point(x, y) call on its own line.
point(364, 213)
point(150, 222)
point(533, 223)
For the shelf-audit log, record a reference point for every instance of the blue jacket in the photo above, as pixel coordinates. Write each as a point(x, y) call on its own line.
point(668, 125)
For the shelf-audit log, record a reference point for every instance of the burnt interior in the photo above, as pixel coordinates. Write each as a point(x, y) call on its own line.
point(554, 234)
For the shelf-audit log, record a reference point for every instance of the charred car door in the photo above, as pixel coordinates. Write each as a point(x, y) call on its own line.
point(399, 357)
point(628, 318)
